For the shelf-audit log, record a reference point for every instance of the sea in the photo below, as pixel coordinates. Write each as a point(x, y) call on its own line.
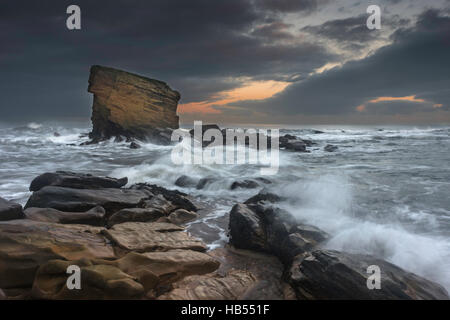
point(384, 191)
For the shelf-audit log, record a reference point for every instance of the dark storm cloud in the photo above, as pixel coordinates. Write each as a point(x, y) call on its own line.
point(416, 63)
point(274, 30)
point(288, 5)
point(45, 67)
point(352, 33)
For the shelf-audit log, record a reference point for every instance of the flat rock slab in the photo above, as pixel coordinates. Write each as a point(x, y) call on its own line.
point(26, 244)
point(10, 210)
point(212, 286)
point(98, 281)
point(93, 217)
point(80, 200)
point(135, 215)
point(154, 236)
point(75, 180)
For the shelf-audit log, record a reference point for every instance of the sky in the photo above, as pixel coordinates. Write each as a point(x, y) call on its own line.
point(292, 62)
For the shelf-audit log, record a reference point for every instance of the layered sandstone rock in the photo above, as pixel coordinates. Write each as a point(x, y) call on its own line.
point(131, 106)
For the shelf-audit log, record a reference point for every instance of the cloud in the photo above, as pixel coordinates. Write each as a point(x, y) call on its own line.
point(416, 63)
point(198, 47)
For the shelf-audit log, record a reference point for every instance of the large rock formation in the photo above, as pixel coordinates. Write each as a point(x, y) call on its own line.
point(131, 106)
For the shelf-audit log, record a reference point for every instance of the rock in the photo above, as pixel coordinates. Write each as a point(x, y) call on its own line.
point(131, 106)
point(135, 215)
point(330, 148)
point(246, 229)
point(326, 274)
point(135, 145)
point(27, 244)
point(245, 184)
point(316, 131)
point(75, 180)
point(56, 134)
point(80, 200)
point(258, 225)
point(98, 281)
point(93, 217)
point(160, 203)
point(212, 286)
point(2, 295)
point(185, 181)
point(177, 198)
point(167, 267)
point(10, 210)
point(264, 196)
point(182, 216)
point(154, 236)
point(298, 146)
point(267, 269)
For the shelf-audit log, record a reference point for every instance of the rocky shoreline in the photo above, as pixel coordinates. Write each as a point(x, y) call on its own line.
point(130, 243)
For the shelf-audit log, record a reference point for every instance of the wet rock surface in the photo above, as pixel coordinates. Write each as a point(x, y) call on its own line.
point(10, 210)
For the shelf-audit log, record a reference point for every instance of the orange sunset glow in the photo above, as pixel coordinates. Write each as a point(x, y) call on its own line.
point(412, 98)
point(254, 90)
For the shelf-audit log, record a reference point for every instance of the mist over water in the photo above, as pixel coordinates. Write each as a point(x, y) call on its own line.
point(383, 192)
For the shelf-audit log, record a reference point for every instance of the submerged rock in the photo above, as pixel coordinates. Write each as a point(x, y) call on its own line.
point(185, 181)
point(75, 180)
point(330, 148)
point(326, 274)
point(135, 145)
point(245, 184)
point(131, 106)
point(10, 210)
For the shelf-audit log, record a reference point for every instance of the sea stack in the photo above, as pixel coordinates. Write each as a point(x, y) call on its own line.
point(131, 106)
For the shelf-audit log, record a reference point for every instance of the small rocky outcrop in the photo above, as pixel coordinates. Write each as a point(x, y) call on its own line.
point(75, 180)
point(130, 106)
point(10, 210)
point(330, 148)
point(326, 274)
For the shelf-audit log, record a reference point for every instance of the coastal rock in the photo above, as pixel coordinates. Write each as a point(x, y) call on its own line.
point(185, 181)
point(80, 200)
point(258, 225)
point(330, 148)
point(326, 274)
point(267, 269)
point(245, 184)
point(182, 216)
point(10, 210)
point(135, 145)
point(246, 229)
point(154, 236)
point(131, 106)
point(135, 215)
point(264, 196)
point(176, 198)
point(232, 286)
point(27, 244)
point(157, 270)
point(75, 180)
point(203, 182)
point(93, 217)
point(99, 281)
point(158, 202)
